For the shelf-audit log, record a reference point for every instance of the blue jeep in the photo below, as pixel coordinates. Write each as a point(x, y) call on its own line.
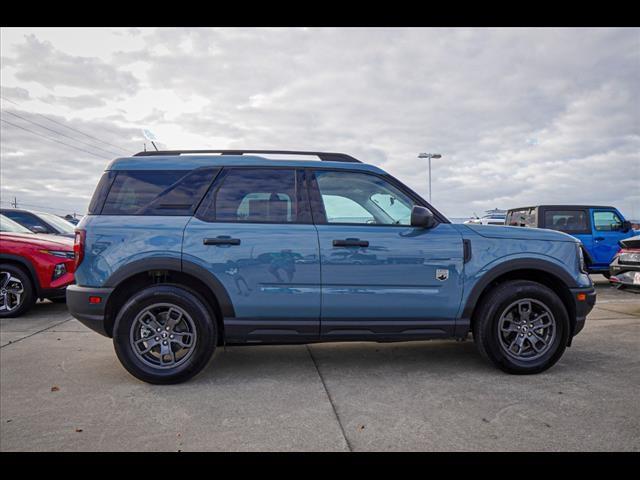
point(600, 229)
point(183, 251)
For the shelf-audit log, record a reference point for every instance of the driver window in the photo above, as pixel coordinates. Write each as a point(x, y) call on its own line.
point(362, 198)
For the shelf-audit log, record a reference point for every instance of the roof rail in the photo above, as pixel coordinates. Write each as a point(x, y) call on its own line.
point(324, 156)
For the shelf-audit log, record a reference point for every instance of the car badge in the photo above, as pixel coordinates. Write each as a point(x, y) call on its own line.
point(442, 274)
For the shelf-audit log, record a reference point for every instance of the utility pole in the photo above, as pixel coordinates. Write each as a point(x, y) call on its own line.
point(429, 156)
point(15, 202)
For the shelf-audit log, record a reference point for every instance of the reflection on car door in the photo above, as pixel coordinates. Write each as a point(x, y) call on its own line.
point(253, 231)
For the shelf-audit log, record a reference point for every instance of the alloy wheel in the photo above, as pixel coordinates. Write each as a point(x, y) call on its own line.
point(11, 292)
point(526, 329)
point(163, 335)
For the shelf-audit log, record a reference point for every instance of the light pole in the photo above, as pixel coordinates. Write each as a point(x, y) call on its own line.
point(429, 156)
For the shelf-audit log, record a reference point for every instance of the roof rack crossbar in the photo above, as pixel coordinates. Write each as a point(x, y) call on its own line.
point(324, 156)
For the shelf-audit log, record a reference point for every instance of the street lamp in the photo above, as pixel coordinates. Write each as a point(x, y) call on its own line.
point(429, 156)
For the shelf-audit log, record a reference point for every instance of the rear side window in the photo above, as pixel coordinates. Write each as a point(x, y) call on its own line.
point(566, 220)
point(169, 192)
point(255, 196)
point(522, 218)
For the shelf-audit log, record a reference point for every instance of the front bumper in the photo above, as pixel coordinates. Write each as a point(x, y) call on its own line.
point(584, 300)
point(90, 314)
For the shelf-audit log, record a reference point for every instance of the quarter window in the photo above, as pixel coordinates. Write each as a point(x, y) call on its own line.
point(361, 198)
point(169, 192)
point(522, 218)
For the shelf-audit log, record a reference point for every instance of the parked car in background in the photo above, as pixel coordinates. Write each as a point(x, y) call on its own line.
point(491, 217)
point(598, 228)
point(625, 267)
point(40, 222)
point(181, 253)
point(71, 219)
point(32, 266)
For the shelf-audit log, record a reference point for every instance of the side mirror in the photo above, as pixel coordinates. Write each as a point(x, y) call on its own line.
point(422, 217)
point(38, 229)
point(626, 226)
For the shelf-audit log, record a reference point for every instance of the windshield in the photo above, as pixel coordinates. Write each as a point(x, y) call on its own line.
point(59, 223)
point(8, 225)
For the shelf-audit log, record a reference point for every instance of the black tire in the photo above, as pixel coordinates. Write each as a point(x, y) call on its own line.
point(606, 275)
point(487, 333)
point(126, 325)
point(28, 297)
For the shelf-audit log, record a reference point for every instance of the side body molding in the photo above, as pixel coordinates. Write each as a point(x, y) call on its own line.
point(161, 263)
point(509, 266)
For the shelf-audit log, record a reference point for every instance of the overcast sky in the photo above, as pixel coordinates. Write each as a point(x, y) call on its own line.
point(520, 116)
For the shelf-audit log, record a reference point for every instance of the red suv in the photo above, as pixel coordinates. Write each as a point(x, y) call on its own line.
point(32, 266)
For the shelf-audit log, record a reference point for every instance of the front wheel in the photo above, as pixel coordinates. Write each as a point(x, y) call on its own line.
point(164, 334)
point(522, 327)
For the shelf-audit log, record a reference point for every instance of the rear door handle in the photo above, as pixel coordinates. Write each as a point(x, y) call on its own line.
point(350, 242)
point(221, 240)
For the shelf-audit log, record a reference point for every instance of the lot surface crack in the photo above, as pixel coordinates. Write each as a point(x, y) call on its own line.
point(39, 331)
point(326, 389)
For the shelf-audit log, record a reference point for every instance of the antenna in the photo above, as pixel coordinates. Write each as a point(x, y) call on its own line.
point(148, 134)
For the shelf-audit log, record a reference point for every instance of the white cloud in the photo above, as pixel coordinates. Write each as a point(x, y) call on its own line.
point(521, 116)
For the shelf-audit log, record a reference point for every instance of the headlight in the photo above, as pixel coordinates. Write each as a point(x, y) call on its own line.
point(629, 257)
point(59, 253)
point(59, 270)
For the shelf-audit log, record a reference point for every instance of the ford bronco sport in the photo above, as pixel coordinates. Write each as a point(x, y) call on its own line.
point(183, 251)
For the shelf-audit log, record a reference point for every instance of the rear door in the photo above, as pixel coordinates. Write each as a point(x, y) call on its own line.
point(607, 232)
point(253, 231)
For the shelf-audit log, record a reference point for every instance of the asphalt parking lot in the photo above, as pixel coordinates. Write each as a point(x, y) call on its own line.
point(62, 389)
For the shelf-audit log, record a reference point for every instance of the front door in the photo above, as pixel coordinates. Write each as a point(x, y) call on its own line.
point(607, 232)
point(380, 276)
point(253, 231)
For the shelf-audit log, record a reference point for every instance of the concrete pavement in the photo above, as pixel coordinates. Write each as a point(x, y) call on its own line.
point(62, 389)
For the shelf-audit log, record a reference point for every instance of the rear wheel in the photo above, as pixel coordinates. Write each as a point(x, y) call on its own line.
point(164, 334)
point(521, 327)
point(16, 291)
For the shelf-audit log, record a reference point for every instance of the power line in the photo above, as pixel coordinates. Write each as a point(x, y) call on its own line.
point(70, 128)
point(52, 139)
point(36, 206)
point(59, 133)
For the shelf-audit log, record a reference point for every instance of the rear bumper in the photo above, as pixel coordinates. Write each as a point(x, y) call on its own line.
point(584, 300)
point(90, 314)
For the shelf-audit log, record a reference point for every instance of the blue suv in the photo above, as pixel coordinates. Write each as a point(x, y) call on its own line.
point(599, 228)
point(183, 251)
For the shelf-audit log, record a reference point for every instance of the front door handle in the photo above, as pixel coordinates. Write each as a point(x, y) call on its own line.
point(350, 242)
point(598, 239)
point(221, 240)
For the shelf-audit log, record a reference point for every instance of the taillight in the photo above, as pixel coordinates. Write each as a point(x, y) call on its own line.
point(78, 246)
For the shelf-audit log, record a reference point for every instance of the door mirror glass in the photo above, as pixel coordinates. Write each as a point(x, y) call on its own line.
point(422, 217)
